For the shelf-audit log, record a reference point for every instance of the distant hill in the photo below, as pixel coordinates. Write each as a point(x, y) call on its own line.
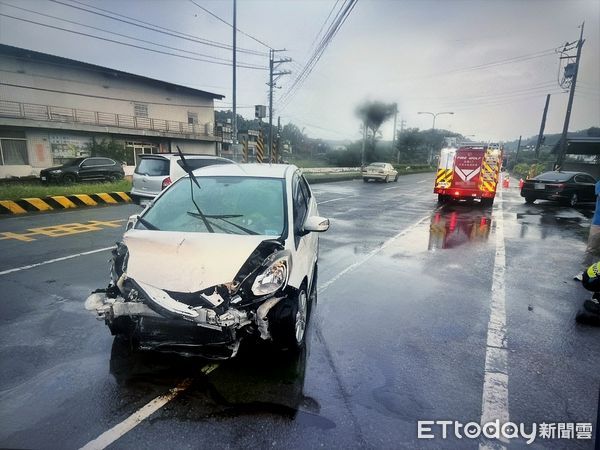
point(550, 141)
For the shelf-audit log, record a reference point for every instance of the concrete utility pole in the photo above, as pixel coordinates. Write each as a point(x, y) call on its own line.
point(362, 153)
point(402, 125)
point(542, 126)
point(395, 119)
point(234, 121)
point(518, 150)
point(273, 77)
point(563, 138)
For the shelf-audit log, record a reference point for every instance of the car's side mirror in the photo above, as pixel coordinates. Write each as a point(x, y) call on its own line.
point(315, 224)
point(131, 222)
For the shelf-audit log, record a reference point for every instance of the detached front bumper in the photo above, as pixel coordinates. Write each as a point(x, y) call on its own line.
point(163, 323)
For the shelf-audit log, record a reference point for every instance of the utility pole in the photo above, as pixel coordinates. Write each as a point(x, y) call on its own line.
point(273, 77)
point(542, 126)
point(234, 121)
point(395, 119)
point(570, 73)
point(362, 157)
point(518, 150)
point(402, 125)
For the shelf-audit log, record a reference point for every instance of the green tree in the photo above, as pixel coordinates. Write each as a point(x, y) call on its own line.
point(373, 115)
point(108, 148)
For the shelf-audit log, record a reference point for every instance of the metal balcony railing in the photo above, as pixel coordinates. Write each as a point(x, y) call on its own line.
point(18, 110)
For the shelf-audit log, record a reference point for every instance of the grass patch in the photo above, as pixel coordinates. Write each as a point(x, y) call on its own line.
point(17, 190)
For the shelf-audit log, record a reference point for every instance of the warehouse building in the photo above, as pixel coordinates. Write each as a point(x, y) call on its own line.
point(53, 109)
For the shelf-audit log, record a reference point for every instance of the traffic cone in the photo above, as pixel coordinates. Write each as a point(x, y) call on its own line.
point(521, 183)
point(506, 182)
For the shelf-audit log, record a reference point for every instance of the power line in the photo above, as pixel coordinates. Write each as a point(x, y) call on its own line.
point(155, 28)
point(130, 45)
point(122, 35)
point(103, 97)
point(338, 21)
point(230, 25)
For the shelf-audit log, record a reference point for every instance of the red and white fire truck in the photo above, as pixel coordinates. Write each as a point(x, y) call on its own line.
point(470, 171)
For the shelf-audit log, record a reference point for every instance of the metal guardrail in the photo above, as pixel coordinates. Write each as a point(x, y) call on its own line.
point(18, 110)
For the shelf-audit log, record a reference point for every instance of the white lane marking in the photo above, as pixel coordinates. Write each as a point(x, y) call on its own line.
point(422, 181)
point(110, 436)
point(50, 261)
point(494, 403)
point(335, 199)
point(372, 253)
point(393, 187)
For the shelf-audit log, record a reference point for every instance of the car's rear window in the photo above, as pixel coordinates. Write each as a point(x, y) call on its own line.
point(153, 167)
point(197, 163)
point(554, 176)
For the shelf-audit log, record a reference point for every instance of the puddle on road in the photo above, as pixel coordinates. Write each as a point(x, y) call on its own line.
point(546, 220)
point(457, 225)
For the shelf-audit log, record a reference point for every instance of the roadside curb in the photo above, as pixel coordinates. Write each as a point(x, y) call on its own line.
point(37, 204)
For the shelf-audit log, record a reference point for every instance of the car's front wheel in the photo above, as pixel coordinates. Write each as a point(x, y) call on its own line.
point(69, 178)
point(289, 319)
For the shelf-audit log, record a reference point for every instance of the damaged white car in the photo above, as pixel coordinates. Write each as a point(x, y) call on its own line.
point(228, 253)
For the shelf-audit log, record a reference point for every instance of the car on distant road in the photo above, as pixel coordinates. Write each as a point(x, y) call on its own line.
point(379, 171)
point(84, 169)
point(227, 255)
point(154, 173)
point(569, 188)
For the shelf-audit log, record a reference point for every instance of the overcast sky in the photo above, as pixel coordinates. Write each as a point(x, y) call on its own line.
point(421, 54)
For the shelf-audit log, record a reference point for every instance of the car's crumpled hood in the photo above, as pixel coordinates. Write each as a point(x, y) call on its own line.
point(186, 262)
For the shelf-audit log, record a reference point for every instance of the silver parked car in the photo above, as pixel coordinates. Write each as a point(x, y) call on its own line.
point(155, 172)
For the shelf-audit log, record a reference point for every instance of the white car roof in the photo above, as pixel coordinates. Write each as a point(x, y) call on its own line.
point(251, 170)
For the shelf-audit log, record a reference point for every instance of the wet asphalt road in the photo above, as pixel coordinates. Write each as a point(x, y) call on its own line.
point(399, 334)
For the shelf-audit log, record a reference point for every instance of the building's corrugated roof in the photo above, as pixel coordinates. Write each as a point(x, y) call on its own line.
point(46, 57)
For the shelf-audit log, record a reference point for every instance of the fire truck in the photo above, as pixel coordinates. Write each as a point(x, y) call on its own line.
point(470, 171)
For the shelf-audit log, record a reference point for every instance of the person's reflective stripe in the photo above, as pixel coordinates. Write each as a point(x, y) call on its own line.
point(594, 270)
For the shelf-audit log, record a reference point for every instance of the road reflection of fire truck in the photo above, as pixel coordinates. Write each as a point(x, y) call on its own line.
point(450, 229)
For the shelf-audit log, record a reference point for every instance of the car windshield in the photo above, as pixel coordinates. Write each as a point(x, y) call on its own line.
point(554, 176)
point(233, 205)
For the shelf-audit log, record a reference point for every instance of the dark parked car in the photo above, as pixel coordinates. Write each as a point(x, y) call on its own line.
point(569, 188)
point(84, 169)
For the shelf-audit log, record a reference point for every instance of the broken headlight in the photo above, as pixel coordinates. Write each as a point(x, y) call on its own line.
point(273, 277)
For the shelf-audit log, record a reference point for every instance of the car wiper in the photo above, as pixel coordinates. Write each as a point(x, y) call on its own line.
point(147, 224)
point(224, 218)
point(190, 173)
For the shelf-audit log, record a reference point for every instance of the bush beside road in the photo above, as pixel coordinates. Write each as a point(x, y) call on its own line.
point(19, 190)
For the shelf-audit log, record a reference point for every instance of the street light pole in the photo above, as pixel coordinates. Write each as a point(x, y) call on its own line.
point(433, 126)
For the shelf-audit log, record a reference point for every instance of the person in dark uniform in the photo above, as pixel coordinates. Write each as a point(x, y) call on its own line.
point(590, 312)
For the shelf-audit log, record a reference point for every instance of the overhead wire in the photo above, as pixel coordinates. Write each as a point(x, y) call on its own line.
point(153, 27)
point(122, 35)
point(230, 25)
point(339, 19)
point(131, 45)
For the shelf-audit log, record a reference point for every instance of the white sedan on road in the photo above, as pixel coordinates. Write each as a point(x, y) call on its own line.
point(379, 171)
point(228, 254)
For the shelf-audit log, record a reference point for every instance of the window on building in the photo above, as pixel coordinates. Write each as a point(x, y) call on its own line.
point(139, 148)
point(140, 110)
point(13, 152)
point(192, 118)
